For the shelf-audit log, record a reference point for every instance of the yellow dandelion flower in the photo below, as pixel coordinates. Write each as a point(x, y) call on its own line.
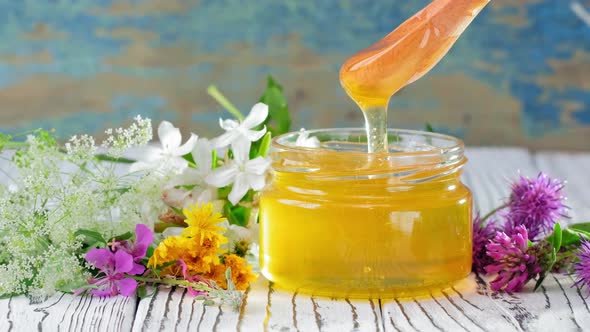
point(202, 222)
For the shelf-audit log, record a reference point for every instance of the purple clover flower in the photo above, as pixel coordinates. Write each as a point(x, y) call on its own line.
point(513, 262)
point(482, 234)
point(582, 267)
point(113, 268)
point(536, 204)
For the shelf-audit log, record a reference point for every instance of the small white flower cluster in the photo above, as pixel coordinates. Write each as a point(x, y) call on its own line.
point(81, 147)
point(121, 139)
point(54, 194)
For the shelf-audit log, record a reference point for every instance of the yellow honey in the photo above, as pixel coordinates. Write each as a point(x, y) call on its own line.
point(338, 221)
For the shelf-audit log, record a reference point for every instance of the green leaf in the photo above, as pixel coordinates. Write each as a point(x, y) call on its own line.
point(124, 236)
point(91, 236)
point(189, 157)
point(429, 128)
point(557, 237)
point(583, 227)
point(142, 292)
point(548, 270)
point(279, 119)
point(236, 215)
point(214, 159)
point(568, 237)
point(149, 252)
point(264, 145)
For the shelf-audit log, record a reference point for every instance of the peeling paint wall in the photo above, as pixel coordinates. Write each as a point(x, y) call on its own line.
point(519, 76)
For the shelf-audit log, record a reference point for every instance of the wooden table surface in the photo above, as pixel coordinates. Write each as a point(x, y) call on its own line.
point(470, 305)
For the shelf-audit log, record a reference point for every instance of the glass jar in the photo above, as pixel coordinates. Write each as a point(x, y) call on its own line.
point(338, 221)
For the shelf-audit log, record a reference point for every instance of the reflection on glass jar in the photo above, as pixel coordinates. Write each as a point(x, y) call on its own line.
point(338, 221)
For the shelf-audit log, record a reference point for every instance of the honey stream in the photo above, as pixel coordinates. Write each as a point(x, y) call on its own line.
point(373, 75)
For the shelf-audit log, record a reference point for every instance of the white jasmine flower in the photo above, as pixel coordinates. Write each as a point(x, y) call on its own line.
point(203, 156)
point(179, 198)
point(171, 151)
point(244, 173)
point(235, 130)
point(303, 140)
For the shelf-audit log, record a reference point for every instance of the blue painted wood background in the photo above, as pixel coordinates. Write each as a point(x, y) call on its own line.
point(519, 76)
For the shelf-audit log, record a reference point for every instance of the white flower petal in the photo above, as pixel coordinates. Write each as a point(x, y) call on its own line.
point(258, 114)
point(254, 135)
point(222, 176)
point(186, 147)
point(169, 135)
point(228, 124)
point(150, 154)
point(241, 151)
point(174, 197)
point(225, 139)
point(204, 196)
point(202, 155)
point(258, 166)
point(303, 140)
point(140, 166)
point(172, 231)
point(239, 189)
point(175, 164)
point(256, 181)
point(189, 176)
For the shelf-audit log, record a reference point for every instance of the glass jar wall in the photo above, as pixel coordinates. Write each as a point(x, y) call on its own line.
point(338, 221)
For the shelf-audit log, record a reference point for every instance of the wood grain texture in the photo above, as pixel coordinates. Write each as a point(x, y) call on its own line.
point(65, 312)
point(467, 306)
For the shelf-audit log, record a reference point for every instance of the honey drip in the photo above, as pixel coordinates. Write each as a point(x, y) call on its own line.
point(373, 75)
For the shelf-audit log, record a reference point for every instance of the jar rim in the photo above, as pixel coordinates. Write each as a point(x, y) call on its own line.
point(414, 156)
point(453, 146)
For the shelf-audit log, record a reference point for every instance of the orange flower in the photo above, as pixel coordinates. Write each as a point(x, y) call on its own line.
point(241, 272)
point(199, 257)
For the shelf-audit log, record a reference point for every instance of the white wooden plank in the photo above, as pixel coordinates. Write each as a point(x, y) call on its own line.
point(575, 169)
point(466, 306)
point(264, 308)
point(67, 312)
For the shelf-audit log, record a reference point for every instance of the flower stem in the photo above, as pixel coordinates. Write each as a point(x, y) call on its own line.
point(104, 157)
point(491, 213)
point(173, 282)
point(13, 145)
point(223, 101)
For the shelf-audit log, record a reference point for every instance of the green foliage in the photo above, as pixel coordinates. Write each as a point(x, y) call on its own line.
point(237, 214)
point(581, 228)
point(91, 239)
point(279, 119)
point(555, 240)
